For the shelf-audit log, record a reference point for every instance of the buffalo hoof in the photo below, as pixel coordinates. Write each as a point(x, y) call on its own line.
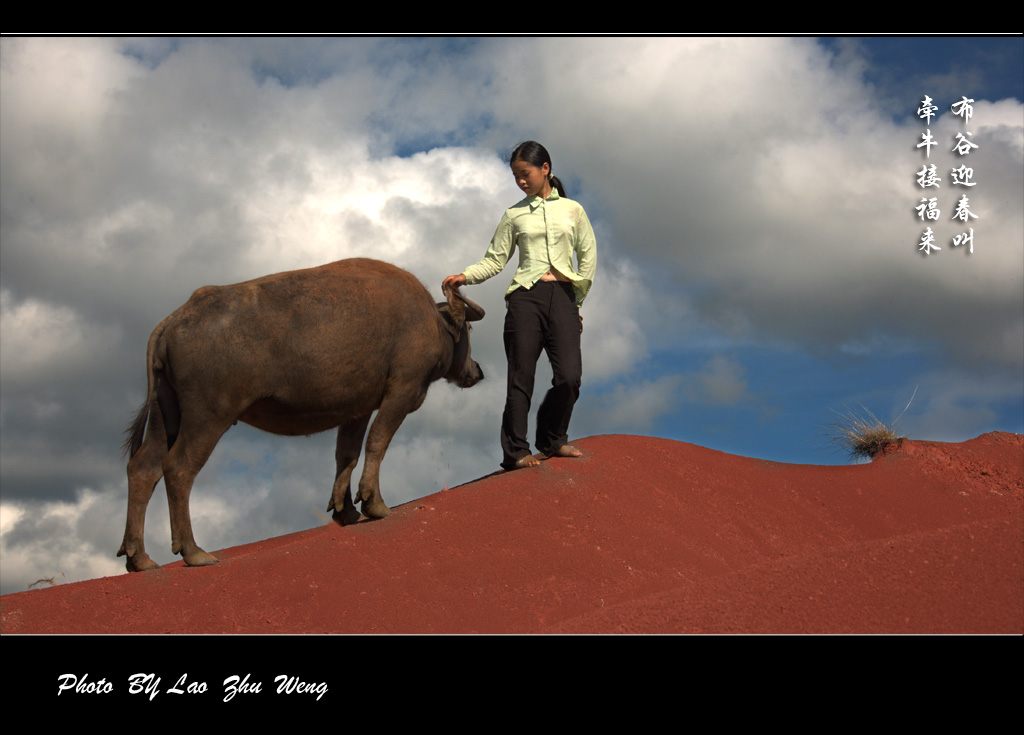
point(347, 516)
point(375, 510)
point(199, 558)
point(140, 562)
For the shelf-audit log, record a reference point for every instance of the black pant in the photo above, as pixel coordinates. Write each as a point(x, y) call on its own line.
point(544, 317)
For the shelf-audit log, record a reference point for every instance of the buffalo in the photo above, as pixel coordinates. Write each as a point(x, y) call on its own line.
point(292, 353)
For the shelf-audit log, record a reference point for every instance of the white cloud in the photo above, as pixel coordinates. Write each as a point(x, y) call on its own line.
point(753, 172)
point(62, 541)
point(721, 381)
point(41, 342)
point(635, 406)
point(617, 317)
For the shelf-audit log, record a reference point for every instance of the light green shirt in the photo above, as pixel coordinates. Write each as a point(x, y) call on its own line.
point(547, 233)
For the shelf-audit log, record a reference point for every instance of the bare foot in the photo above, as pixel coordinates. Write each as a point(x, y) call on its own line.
point(528, 461)
point(566, 450)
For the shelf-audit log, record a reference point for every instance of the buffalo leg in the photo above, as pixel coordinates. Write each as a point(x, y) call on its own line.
point(346, 454)
point(182, 463)
point(390, 416)
point(144, 472)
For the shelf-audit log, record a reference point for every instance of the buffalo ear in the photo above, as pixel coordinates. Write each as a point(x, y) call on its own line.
point(472, 311)
point(458, 311)
point(452, 314)
point(456, 307)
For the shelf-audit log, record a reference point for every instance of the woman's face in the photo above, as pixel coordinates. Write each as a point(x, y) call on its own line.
point(532, 180)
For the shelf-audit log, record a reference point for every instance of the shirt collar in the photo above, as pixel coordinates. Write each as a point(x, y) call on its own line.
point(536, 201)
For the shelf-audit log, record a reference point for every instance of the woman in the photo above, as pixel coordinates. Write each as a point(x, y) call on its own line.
point(542, 303)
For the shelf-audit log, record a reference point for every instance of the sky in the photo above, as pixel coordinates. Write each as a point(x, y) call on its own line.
point(754, 201)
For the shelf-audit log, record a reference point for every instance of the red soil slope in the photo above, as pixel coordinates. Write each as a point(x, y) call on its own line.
point(640, 536)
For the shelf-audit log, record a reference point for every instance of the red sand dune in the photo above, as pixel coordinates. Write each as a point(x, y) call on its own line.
point(640, 536)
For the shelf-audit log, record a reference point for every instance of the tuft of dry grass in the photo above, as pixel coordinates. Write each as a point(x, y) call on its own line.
point(51, 581)
point(864, 434)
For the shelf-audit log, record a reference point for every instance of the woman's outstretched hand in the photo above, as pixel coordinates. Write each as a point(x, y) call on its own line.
point(452, 283)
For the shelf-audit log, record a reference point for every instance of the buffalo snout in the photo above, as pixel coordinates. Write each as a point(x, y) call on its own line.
point(473, 375)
